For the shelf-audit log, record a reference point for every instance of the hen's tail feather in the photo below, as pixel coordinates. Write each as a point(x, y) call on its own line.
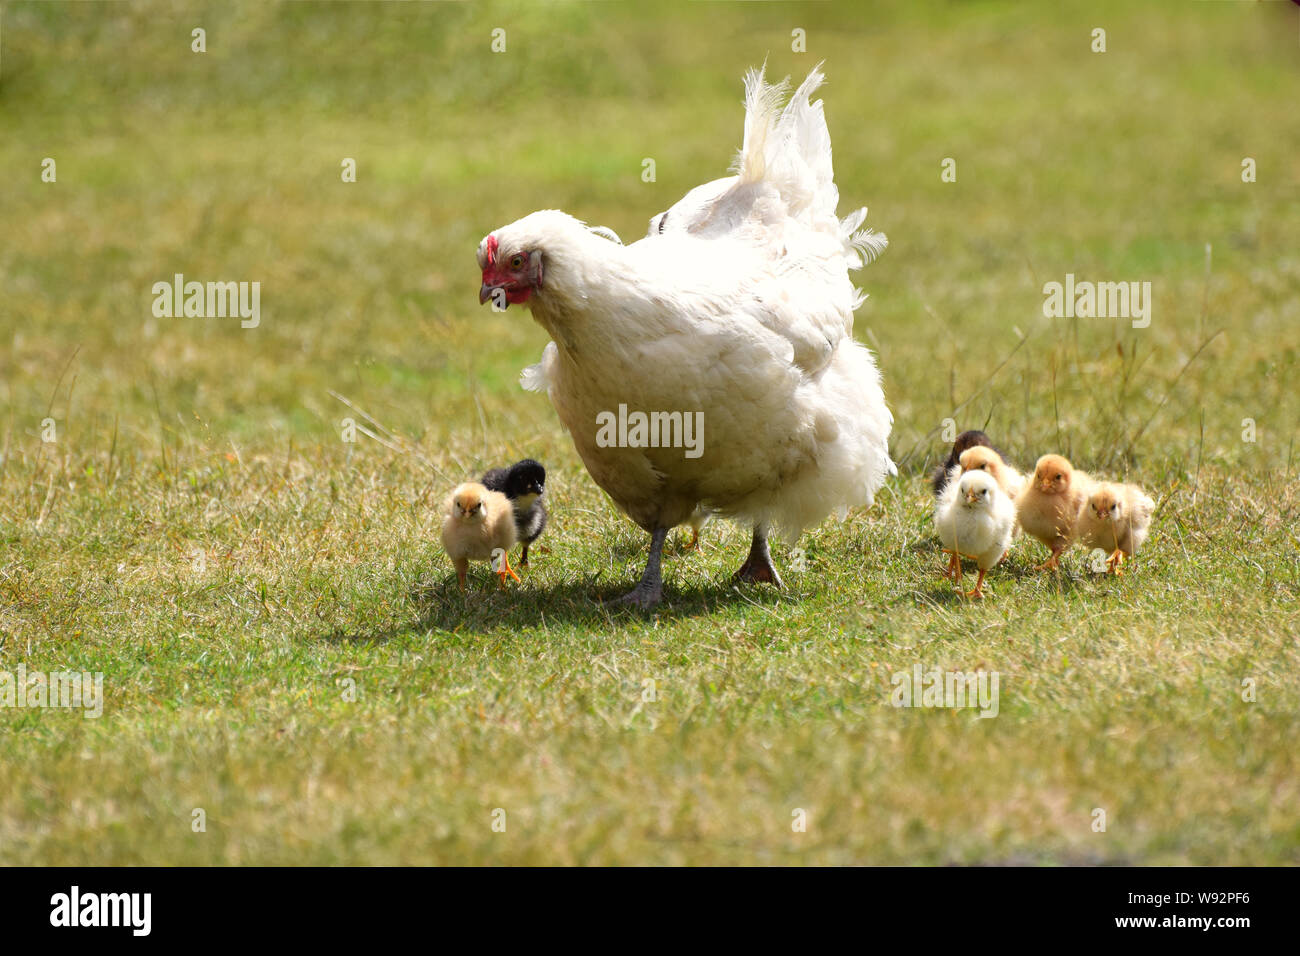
point(762, 108)
point(790, 148)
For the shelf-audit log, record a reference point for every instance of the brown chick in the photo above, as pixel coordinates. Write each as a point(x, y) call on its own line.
point(1049, 504)
point(476, 525)
point(983, 458)
point(1115, 518)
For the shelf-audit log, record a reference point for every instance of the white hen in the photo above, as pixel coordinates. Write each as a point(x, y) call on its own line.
point(975, 519)
point(742, 311)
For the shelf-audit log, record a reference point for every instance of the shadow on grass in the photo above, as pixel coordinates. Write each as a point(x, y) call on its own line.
point(1020, 565)
point(486, 607)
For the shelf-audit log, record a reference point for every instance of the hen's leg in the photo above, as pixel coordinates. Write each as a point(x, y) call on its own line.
point(651, 589)
point(758, 566)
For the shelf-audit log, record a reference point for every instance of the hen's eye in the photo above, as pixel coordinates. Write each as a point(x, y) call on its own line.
point(516, 262)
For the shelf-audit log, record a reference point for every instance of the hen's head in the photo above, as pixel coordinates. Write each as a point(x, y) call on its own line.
point(1052, 474)
point(1105, 504)
point(521, 259)
point(512, 267)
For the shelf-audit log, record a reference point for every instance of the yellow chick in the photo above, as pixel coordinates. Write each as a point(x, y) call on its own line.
point(983, 458)
point(1049, 504)
point(478, 525)
point(1115, 518)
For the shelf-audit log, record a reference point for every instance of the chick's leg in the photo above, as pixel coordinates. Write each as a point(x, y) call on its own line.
point(504, 569)
point(1054, 562)
point(953, 570)
point(1116, 562)
point(979, 586)
point(651, 589)
point(462, 568)
point(523, 557)
point(758, 566)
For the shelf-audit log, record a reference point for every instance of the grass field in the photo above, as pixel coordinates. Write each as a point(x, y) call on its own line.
point(282, 642)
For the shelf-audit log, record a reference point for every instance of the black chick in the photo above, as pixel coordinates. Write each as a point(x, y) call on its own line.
point(523, 483)
point(939, 478)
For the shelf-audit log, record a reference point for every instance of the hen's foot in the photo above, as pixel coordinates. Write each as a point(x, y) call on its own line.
point(643, 596)
point(758, 567)
point(651, 589)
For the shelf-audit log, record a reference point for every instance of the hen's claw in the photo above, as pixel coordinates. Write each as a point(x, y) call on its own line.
point(758, 567)
point(642, 596)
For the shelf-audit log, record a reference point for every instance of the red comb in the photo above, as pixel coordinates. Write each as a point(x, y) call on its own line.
point(492, 250)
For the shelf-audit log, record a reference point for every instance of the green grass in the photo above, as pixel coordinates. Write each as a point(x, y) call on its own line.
point(201, 535)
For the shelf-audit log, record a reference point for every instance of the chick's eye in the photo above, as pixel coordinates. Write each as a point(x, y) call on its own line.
point(516, 262)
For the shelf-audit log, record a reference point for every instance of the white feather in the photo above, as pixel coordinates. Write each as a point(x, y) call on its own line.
point(738, 305)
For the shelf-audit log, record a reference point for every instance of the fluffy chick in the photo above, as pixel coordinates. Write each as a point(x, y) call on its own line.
point(476, 523)
point(945, 473)
point(982, 458)
point(1049, 504)
point(1115, 518)
point(523, 483)
point(974, 519)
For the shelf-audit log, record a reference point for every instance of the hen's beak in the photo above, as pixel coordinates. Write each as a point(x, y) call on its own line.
point(486, 292)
